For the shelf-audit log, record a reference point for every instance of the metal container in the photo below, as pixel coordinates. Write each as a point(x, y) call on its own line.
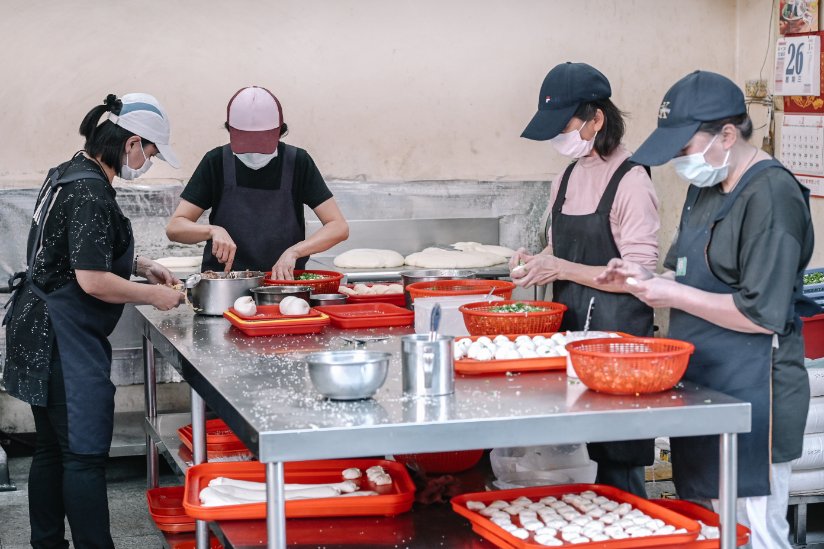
point(427, 275)
point(272, 295)
point(348, 375)
point(327, 299)
point(213, 296)
point(427, 367)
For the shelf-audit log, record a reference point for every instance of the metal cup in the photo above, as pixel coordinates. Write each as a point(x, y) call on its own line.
point(427, 367)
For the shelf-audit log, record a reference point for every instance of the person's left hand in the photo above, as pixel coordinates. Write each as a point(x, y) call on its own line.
point(538, 271)
point(657, 292)
point(285, 266)
point(156, 273)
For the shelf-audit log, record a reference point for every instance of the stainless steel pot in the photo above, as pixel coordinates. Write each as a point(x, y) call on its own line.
point(212, 296)
point(327, 299)
point(427, 275)
point(427, 367)
point(272, 295)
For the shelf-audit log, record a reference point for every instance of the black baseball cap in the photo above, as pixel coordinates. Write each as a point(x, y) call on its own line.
point(565, 87)
point(701, 96)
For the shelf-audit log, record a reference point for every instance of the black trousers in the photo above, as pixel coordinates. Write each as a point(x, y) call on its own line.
point(63, 484)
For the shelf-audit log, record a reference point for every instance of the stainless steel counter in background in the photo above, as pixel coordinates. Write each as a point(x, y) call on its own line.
point(260, 387)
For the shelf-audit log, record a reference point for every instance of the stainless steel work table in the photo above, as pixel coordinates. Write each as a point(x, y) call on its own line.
point(260, 388)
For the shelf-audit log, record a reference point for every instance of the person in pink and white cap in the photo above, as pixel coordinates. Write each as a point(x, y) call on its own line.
point(256, 187)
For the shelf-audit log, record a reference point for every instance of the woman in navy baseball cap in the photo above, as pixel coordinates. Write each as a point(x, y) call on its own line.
point(733, 280)
point(602, 206)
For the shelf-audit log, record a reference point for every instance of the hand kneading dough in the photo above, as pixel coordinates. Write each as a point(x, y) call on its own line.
point(502, 251)
point(368, 258)
point(436, 258)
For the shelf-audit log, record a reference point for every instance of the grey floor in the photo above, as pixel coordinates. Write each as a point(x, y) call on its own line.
point(131, 525)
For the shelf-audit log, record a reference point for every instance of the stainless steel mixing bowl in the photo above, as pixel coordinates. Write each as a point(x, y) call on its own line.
point(348, 375)
point(272, 295)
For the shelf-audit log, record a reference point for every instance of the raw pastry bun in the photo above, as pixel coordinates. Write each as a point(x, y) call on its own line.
point(293, 306)
point(368, 258)
point(437, 258)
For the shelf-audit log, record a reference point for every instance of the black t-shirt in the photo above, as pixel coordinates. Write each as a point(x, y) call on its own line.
point(85, 229)
point(205, 187)
point(761, 247)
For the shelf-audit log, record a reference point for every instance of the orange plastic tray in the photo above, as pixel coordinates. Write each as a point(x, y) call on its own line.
point(487, 529)
point(215, 450)
point(277, 327)
point(272, 312)
point(395, 299)
point(391, 500)
point(166, 509)
point(470, 366)
point(696, 512)
point(368, 315)
point(217, 432)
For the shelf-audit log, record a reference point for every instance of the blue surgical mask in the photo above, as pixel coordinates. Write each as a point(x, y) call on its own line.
point(571, 144)
point(128, 173)
point(695, 169)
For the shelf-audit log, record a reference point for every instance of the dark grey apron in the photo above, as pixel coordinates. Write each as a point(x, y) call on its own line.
point(587, 239)
point(735, 363)
point(262, 222)
point(82, 324)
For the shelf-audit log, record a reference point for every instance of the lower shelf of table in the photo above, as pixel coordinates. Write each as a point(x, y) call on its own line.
point(163, 431)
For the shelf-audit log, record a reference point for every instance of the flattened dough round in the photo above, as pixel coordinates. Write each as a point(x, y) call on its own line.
point(185, 262)
point(368, 258)
point(436, 258)
point(502, 251)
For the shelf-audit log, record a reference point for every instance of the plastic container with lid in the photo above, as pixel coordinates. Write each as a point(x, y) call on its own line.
point(452, 320)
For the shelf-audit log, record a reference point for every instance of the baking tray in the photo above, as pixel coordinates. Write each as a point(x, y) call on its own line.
point(470, 366)
point(395, 299)
point(489, 530)
point(391, 500)
point(277, 327)
point(696, 512)
point(367, 315)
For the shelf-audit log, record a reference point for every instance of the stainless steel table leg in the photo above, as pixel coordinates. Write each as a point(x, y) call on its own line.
point(150, 404)
point(199, 456)
point(275, 507)
point(728, 488)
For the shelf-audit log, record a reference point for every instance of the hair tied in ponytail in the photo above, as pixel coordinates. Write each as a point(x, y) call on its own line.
point(113, 104)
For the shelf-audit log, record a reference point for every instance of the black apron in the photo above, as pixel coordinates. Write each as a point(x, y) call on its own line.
point(81, 325)
point(735, 363)
point(587, 239)
point(262, 222)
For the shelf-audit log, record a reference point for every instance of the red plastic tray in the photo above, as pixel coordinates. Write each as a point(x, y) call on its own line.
point(391, 500)
point(470, 366)
point(813, 332)
point(487, 529)
point(368, 315)
point(217, 432)
point(277, 327)
point(272, 312)
point(395, 299)
point(166, 509)
point(215, 450)
point(696, 512)
point(190, 543)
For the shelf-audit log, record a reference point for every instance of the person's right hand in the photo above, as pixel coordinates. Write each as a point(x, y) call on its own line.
point(619, 270)
point(223, 247)
point(165, 298)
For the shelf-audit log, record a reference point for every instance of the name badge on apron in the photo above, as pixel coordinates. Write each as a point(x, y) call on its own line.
point(681, 267)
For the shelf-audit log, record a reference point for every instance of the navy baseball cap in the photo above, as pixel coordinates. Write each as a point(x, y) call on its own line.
point(564, 89)
point(701, 96)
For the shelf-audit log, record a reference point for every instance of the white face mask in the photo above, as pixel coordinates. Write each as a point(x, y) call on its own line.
point(695, 169)
point(571, 144)
point(128, 173)
point(255, 161)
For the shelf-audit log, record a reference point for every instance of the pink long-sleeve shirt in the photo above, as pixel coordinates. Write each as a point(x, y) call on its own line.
point(634, 215)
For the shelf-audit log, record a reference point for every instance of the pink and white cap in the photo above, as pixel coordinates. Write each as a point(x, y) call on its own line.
point(254, 118)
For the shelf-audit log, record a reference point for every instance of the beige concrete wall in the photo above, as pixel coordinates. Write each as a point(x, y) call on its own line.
point(400, 90)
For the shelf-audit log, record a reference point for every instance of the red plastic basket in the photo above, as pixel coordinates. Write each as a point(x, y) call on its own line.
point(471, 286)
point(630, 365)
point(327, 285)
point(442, 462)
point(480, 320)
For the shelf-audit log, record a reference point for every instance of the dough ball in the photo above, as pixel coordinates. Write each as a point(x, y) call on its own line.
point(394, 289)
point(294, 306)
point(361, 289)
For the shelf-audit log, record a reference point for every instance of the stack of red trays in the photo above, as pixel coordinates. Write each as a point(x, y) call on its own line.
point(166, 509)
point(221, 443)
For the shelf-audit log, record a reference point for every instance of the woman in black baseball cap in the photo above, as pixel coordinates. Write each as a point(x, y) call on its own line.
point(733, 280)
point(603, 206)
